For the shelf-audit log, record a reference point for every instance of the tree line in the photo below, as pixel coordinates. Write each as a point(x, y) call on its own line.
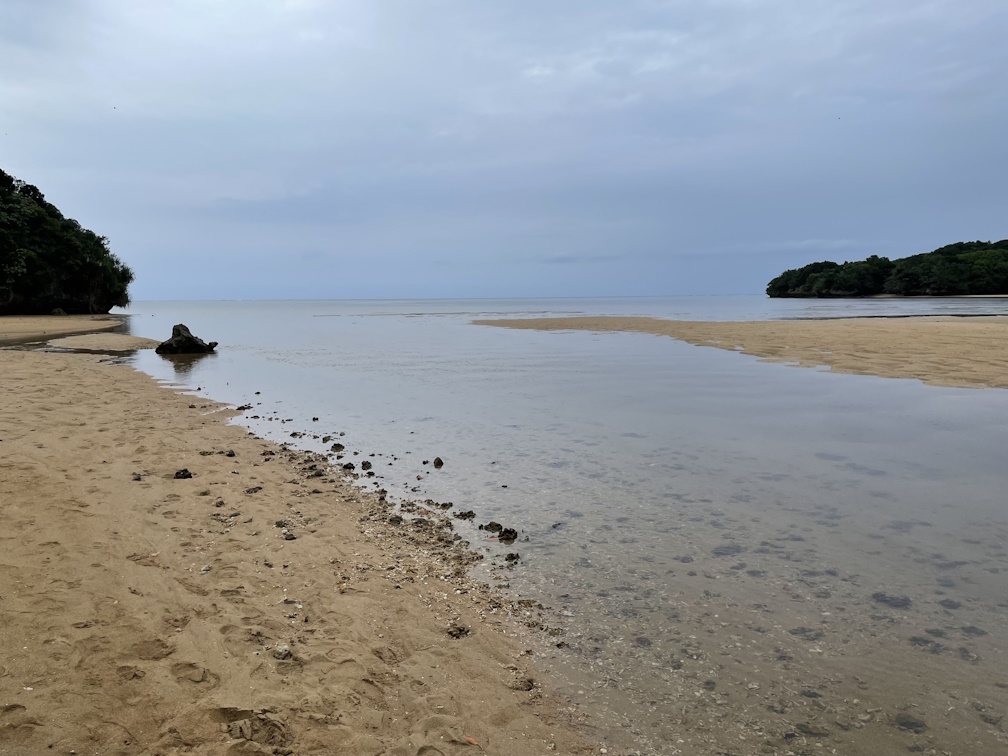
point(49, 262)
point(956, 269)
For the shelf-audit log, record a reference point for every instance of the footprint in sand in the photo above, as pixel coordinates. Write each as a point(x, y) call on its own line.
point(188, 672)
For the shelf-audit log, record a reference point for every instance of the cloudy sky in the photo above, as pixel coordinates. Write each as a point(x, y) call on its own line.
point(431, 148)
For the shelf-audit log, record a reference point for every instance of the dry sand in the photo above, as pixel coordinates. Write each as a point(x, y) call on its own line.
point(147, 614)
point(104, 342)
point(14, 328)
point(943, 351)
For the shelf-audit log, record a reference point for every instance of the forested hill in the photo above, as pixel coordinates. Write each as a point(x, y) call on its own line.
point(48, 261)
point(957, 269)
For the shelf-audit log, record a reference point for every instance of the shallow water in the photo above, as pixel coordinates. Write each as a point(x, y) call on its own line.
point(670, 495)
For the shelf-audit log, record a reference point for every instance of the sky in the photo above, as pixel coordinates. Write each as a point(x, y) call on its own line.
point(249, 149)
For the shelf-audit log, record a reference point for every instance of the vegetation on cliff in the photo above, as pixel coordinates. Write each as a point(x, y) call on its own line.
point(49, 262)
point(957, 269)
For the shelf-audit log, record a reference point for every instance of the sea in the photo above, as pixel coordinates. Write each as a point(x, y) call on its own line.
point(650, 481)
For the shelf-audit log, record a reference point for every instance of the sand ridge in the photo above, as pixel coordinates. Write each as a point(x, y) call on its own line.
point(261, 606)
point(942, 351)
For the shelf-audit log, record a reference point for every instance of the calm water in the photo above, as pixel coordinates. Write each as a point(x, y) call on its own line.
point(627, 459)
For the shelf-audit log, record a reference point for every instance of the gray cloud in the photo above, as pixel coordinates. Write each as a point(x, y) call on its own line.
point(354, 148)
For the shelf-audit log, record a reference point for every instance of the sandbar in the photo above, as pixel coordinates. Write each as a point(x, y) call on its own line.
point(941, 351)
point(14, 328)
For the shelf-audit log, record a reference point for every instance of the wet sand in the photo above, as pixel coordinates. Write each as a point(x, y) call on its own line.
point(255, 604)
point(941, 351)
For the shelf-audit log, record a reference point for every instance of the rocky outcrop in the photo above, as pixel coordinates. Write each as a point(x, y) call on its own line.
point(183, 342)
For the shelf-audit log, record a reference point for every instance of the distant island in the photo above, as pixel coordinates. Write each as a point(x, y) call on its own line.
point(954, 270)
point(48, 262)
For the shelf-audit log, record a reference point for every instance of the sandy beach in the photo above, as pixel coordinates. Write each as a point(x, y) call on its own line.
point(172, 584)
point(15, 328)
point(941, 351)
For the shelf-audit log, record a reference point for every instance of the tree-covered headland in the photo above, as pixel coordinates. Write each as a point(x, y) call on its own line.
point(49, 262)
point(957, 269)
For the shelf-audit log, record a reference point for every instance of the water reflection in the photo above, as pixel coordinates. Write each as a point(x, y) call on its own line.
point(184, 364)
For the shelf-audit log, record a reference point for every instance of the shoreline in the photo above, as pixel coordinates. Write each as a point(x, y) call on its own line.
point(937, 350)
point(264, 604)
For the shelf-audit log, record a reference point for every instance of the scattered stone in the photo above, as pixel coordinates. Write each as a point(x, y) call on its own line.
point(348, 466)
point(949, 604)
point(253, 490)
point(289, 536)
point(508, 535)
point(395, 520)
point(243, 407)
point(973, 631)
point(230, 453)
point(811, 730)
point(458, 631)
point(467, 515)
point(909, 722)
point(438, 463)
point(685, 559)
point(896, 602)
point(365, 465)
point(492, 527)
point(727, 549)
point(183, 474)
point(512, 557)
point(280, 524)
point(183, 342)
point(137, 477)
point(807, 633)
point(282, 652)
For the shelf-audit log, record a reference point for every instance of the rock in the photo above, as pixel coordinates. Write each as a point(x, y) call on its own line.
point(513, 557)
point(283, 651)
point(253, 490)
point(183, 474)
point(896, 602)
point(508, 535)
point(137, 476)
point(949, 604)
point(348, 466)
point(365, 465)
point(58, 311)
point(183, 342)
point(289, 536)
point(810, 730)
point(467, 515)
point(438, 463)
point(908, 722)
point(728, 549)
point(492, 527)
point(395, 520)
point(458, 631)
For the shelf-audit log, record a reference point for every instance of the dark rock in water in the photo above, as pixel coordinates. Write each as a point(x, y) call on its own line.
point(973, 630)
point(508, 535)
point(896, 602)
point(348, 466)
point(183, 474)
point(467, 515)
point(337, 447)
point(908, 722)
point(183, 342)
point(438, 463)
point(365, 465)
point(395, 520)
point(728, 549)
point(513, 557)
point(492, 527)
point(949, 603)
point(685, 559)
